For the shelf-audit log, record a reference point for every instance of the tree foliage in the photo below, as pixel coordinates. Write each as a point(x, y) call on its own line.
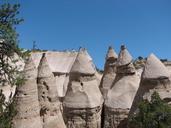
point(8, 70)
point(153, 114)
point(8, 41)
point(7, 114)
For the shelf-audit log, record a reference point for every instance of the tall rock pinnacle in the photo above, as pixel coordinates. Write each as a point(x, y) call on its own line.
point(120, 97)
point(47, 92)
point(27, 104)
point(109, 71)
point(155, 77)
point(83, 100)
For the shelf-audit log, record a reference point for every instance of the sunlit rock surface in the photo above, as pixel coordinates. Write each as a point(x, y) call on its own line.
point(120, 96)
point(109, 71)
point(27, 103)
point(83, 100)
point(155, 77)
point(50, 111)
point(62, 89)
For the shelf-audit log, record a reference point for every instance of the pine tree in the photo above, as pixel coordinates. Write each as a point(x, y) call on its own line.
point(8, 47)
point(153, 114)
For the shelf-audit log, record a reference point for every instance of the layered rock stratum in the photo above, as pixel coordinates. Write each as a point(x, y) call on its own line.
point(27, 104)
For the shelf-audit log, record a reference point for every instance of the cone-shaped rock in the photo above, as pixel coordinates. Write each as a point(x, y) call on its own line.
point(120, 97)
point(124, 56)
point(27, 104)
point(111, 54)
point(154, 68)
point(83, 64)
point(124, 63)
point(83, 100)
point(49, 104)
point(109, 71)
point(155, 77)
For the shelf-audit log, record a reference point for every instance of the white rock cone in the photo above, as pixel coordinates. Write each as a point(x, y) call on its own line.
point(155, 77)
point(27, 104)
point(120, 96)
point(83, 100)
point(50, 111)
point(109, 71)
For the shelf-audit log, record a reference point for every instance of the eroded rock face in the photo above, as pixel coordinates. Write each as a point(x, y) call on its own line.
point(60, 64)
point(155, 77)
point(109, 71)
point(50, 111)
point(120, 96)
point(83, 117)
point(83, 100)
point(115, 117)
point(27, 104)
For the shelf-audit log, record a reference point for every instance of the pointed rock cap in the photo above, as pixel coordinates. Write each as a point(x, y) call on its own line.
point(43, 68)
point(83, 63)
point(154, 68)
point(30, 71)
point(124, 56)
point(111, 53)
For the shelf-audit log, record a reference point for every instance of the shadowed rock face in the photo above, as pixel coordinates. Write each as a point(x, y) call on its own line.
point(155, 77)
point(47, 93)
point(27, 104)
point(109, 71)
point(83, 100)
point(120, 97)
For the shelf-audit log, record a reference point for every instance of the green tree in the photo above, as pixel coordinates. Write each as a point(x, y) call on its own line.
point(8, 47)
point(8, 40)
point(153, 114)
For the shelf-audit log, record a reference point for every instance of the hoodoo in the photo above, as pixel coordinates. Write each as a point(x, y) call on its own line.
point(109, 71)
point(50, 111)
point(83, 100)
point(27, 104)
point(120, 97)
point(155, 77)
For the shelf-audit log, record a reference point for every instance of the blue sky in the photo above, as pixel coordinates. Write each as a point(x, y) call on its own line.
point(144, 26)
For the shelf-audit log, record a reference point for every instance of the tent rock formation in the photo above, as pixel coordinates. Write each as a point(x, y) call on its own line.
point(50, 111)
point(155, 77)
point(27, 104)
point(83, 100)
point(120, 96)
point(109, 71)
point(68, 78)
